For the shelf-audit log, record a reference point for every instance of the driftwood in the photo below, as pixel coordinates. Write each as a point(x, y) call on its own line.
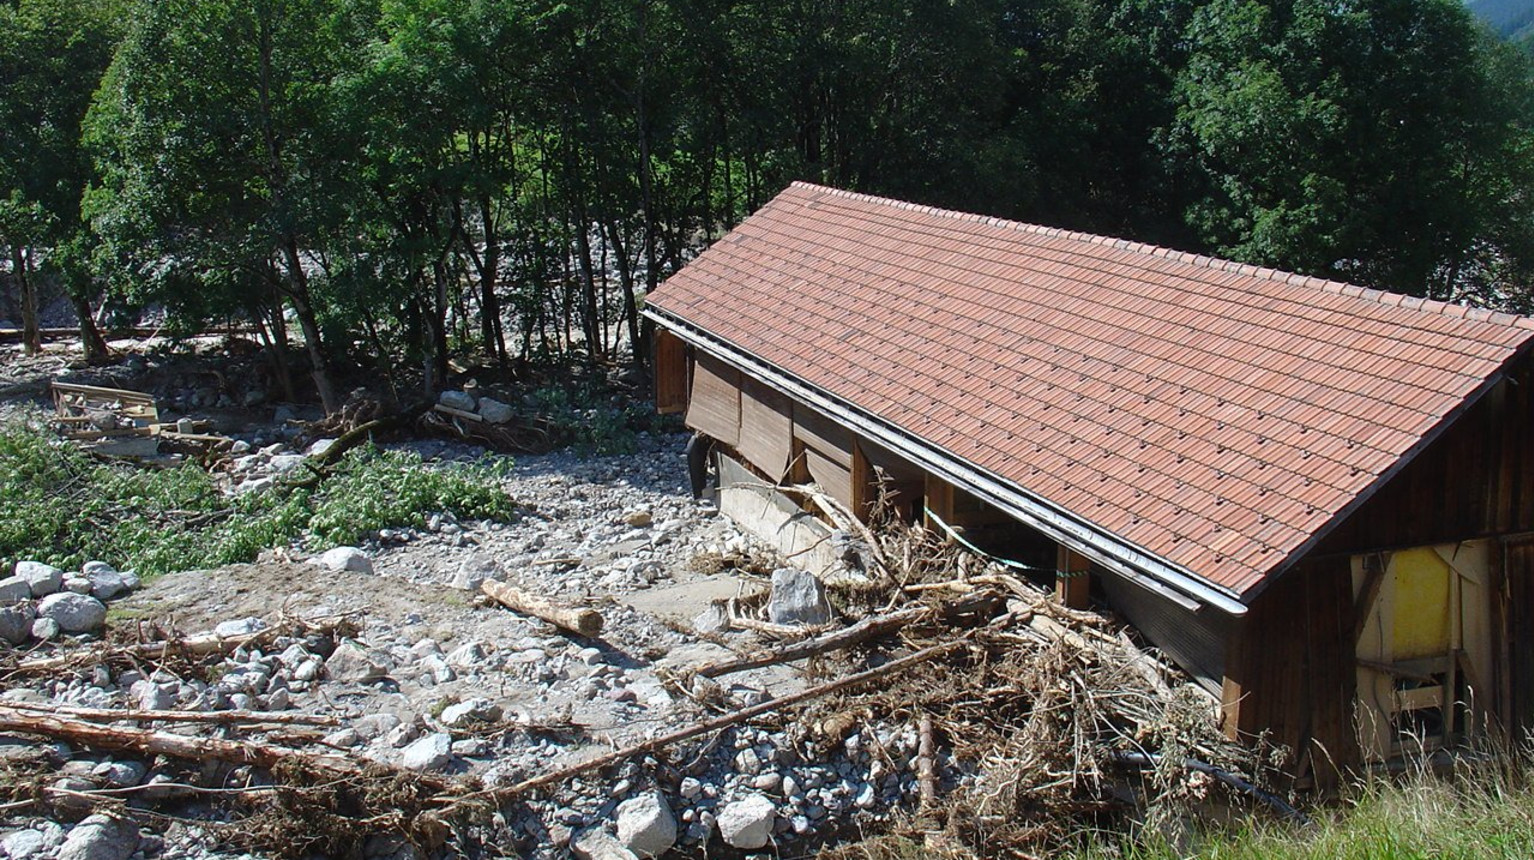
point(147, 742)
point(926, 771)
point(871, 627)
point(721, 722)
point(144, 716)
point(581, 620)
point(193, 646)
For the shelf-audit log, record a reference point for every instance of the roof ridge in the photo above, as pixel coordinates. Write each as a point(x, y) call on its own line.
point(1383, 297)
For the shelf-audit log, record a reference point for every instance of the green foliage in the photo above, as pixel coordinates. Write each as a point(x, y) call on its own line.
point(591, 422)
point(65, 509)
point(1483, 810)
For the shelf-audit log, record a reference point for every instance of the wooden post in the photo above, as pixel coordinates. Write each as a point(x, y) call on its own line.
point(938, 501)
point(864, 483)
point(1073, 586)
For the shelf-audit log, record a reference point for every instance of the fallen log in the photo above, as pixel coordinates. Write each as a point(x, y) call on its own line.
point(193, 646)
point(165, 716)
point(147, 742)
point(581, 620)
point(869, 628)
point(725, 721)
point(926, 771)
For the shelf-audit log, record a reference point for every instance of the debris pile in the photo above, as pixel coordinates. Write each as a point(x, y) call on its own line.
point(540, 688)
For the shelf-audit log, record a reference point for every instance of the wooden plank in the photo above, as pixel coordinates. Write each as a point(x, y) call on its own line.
point(713, 405)
point(670, 373)
point(1073, 586)
point(816, 431)
point(96, 391)
point(458, 413)
point(830, 474)
point(766, 428)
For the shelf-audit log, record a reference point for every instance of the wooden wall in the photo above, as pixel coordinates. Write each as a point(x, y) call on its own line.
point(1513, 617)
point(670, 373)
point(1290, 669)
point(1476, 480)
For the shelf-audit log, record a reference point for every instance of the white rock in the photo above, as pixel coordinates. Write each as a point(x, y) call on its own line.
point(428, 753)
point(76, 583)
point(23, 844)
point(256, 485)
point(239, 627)
point(350, 664)
point(467, 656)
point(45, 629)
point(319, 446)
point(747, 823)
point(797, 598)
point(106, 582)
point(471, 711)
point(345, 558)
point(598, 844)
point(476, 569)
point(100, 837)
point(457, 400)
point(283, 463)
point(75, 613)
point(14, 589)
point(91, 568)
point(646, 825)
point(45, 579)
point(495, 411)
point(151, 696)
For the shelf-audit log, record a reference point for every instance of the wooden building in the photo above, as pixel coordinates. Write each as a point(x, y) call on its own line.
point(1316, 498)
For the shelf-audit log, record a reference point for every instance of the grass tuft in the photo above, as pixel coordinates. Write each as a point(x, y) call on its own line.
point(64, 508)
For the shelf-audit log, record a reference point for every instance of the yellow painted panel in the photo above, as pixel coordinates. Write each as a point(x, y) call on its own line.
point(1420, 616)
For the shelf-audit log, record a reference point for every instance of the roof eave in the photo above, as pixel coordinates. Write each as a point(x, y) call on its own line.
point(1114, 553)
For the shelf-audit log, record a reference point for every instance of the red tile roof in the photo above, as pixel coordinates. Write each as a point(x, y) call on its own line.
point(1213, 414)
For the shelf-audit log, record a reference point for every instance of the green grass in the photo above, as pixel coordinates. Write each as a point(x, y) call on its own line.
point(1484, 810)
point(60, 506)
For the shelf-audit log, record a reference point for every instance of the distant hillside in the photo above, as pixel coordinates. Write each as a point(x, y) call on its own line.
point(1514, 19)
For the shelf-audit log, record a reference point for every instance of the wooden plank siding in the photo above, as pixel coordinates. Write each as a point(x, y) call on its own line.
point(766, 428)
point(1516, 612)
point(1476, 480)
point(1290, 670)
point(713, 405)
point(670, 373)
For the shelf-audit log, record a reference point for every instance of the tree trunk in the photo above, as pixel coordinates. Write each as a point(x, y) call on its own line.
point(31, 335)
point(91, 342)
point(298, 294)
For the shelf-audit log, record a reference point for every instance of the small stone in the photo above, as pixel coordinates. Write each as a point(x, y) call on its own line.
point(646, 825)
point(46, 629)
point(14, 589)
point(714, 619)
point(457, 400)
point(239, 627)
point(798, 597)
point(77, 584)
point(495, 412)
point(470, 747)
point(690, 787)
point(471, 711)
point(23, 844)
point(866, 798)
point(769, 781)
point(747, 823)
point(122, 774)
point(100, 837)
point(475, 570)
point(345, 558)
point(281, 464)
point(343, 738)
point(350, 664)
point(376, 725)
point(429, 753)
point(467, 656)
point(598, 844)
point(639, 519)
point(44, 579)
point(16, 622)
point(75, 613)
point(150, 696)
point(319, 446)
point(440, 671)
point(255, 485)
point(106, 582)
point(278, 700)
point(748, 762)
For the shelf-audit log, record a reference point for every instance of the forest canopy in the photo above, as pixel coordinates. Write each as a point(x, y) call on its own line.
point(402, 180)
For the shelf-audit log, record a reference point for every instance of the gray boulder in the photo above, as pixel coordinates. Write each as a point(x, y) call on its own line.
point(239, 627)
point(23, 844)
point(345, 558)
point(16, 622)
point(747, 823)
point(475, 570)
point(598, 844)
point(646, 825)
point(350, 664)
point(45, 579)
point(106, 582)
point(429, 753)
point(45, 629)
point(101, 837)
point(495, 411)
point(457, 400)
point(14, 589)
point(797, 598)
point(75, 613)
point(471, 711)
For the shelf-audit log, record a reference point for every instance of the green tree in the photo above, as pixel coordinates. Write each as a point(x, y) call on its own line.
point(51, 59)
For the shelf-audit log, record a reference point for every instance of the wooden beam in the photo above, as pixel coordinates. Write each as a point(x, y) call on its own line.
point(1073, 584)
point(865, 490)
